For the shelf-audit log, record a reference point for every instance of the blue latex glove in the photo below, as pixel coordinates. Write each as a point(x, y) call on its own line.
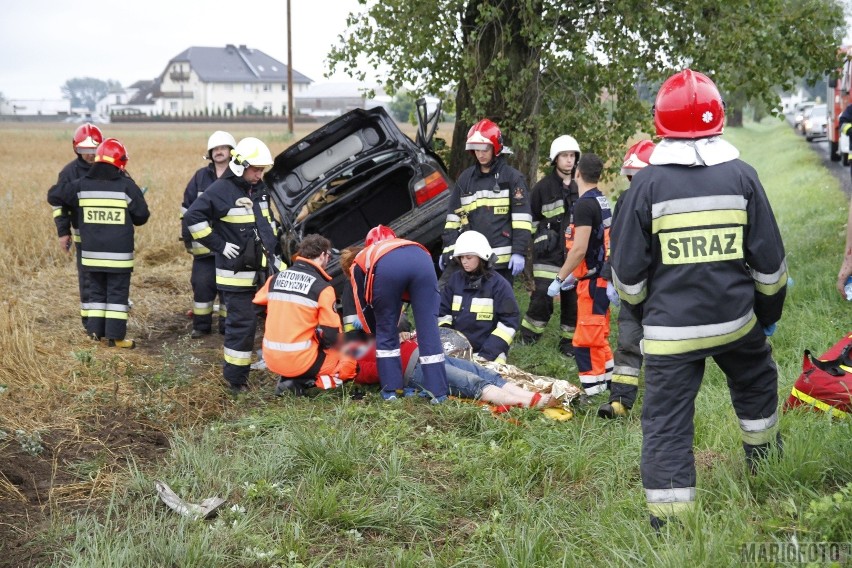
point(553, 289)
point(441, 263)
point(568, 283)
point(516, 263)
point(357, 324)
point(612, 294)
point(770, 329)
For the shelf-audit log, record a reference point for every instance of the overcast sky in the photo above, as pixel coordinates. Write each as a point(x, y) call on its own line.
point(43, 43)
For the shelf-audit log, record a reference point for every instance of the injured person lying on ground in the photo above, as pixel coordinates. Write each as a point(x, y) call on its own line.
point(468, 379)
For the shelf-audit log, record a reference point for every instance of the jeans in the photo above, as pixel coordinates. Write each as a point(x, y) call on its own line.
point(464, 378)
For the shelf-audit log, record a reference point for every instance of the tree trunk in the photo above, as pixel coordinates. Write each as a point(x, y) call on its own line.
point(735, 117)
point(501, 83)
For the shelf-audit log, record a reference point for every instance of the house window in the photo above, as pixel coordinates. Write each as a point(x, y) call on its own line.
point(247, 87)
point(118, 99)
point(173, 106)
point(229, 87)
point(283, 86)
point(267, 87)
point(267, 108)
point(249, 109)
point(229, 108)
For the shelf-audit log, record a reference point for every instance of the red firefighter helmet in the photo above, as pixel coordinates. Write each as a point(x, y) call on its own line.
point(87, 137)
point(112, 152)
point(484, 133)
point(637, 157)
point(689, 105)
point(379, 233)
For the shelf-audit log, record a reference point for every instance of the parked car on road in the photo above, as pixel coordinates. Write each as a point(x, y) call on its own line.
point(816, 123)
point(359, 171)
point(799, 116)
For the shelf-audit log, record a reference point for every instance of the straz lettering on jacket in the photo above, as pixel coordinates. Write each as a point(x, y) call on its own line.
point(702, 245)
point(292, 281)
point(103, 215)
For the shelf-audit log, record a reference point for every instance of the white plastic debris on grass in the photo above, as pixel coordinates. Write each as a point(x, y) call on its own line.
point(205, 510)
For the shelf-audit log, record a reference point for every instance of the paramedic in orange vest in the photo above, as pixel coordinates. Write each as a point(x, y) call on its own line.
point(388, 271)
point(303, 331)
point(586, 240)
point(697, 248)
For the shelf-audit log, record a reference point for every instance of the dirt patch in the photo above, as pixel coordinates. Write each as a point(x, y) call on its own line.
point(65, 470)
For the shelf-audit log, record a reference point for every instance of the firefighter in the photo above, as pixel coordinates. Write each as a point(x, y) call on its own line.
point(553, 199)
point(628, 356)
point(203, 278)
point(586, 243)
point(386, 272)
point(85, 142)
point(110, 205)
point(845, 122)
point(702, 255)
point(490, 197)
point(303, 334)
point(232, 218)
point(478, 302)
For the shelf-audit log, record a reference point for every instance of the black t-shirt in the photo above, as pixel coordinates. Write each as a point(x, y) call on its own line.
point(587, 213)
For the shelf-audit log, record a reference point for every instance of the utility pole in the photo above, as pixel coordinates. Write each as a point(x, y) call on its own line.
point(289, 72)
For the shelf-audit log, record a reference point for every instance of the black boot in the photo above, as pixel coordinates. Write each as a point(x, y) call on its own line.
point(755, 454)
point(566, 347)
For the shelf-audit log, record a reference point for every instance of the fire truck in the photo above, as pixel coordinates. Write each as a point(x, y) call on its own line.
point(839, 96)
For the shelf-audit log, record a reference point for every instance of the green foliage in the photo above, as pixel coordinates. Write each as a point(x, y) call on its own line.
point(541, 68)
point(30, 442)
point(403, 106)
point(87, 91)
point(829, 518)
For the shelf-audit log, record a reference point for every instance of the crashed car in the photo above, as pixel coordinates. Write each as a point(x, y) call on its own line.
point(356, 172)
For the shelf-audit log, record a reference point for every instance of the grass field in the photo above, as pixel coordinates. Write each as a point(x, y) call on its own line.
point(333, 481)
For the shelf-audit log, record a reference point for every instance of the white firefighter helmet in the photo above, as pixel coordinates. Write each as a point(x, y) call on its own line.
point(249, 152)
point(473, 242)
point(220, 138)
point(564, 143)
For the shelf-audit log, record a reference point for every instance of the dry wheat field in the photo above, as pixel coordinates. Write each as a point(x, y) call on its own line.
point(72, 411)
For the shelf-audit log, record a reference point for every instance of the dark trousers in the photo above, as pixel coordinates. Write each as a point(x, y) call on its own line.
point(627, 358)
point(408, 269)
point(541, 309)
point(240, 327)
point(108, 306)
point(203, 281)
point(83, 284)
point(668, 410)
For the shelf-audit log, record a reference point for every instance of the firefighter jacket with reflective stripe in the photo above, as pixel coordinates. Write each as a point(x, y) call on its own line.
point(552, 205)
point(591, 210)
point(496, 204)
point(108, 204)
point(362, 273)
point(216, 218)
point(301, 318)
point(201, 180)
point(63, 217)
point(482, 307)
point(844, 121)
point(699, 248)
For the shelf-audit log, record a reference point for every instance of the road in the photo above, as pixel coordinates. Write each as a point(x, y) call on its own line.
point(820, 146)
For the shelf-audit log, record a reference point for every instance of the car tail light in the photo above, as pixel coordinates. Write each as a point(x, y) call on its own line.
point(428, 187)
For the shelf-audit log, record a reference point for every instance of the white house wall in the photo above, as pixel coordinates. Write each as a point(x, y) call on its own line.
point(196, 95)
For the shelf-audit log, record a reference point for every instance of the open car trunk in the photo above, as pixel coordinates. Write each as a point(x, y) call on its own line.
point(357, 172)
